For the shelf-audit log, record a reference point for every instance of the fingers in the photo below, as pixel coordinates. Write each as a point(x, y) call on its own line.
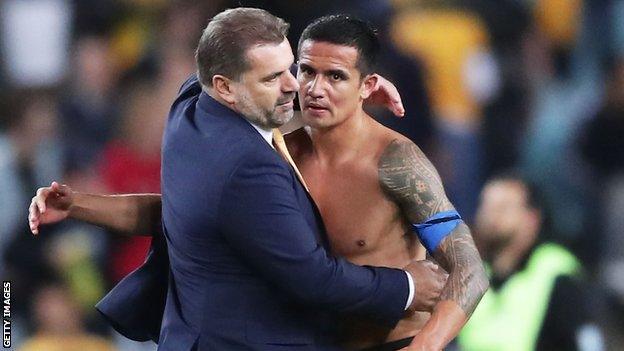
point(398, 109)
point(391, 94)
point(33, 217)
point(40, 198)
point(442, 271)
point(396, 104)
point(62, 190)
point(431, 265)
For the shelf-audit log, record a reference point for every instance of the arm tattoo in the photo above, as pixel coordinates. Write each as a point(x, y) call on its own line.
point(467, 281)
point(407, 176)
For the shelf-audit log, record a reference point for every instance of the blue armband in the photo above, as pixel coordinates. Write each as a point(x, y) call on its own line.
point(436, 228)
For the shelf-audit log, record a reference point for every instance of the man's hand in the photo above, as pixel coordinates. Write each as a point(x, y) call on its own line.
point(50, 205)
point(429, 280)
point(386, 94)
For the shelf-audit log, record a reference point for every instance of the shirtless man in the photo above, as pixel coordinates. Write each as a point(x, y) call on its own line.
point(371, 185)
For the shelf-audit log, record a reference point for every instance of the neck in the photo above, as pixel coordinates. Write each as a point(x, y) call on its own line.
point(213, 94)
point(340, 142)
point(509, 259)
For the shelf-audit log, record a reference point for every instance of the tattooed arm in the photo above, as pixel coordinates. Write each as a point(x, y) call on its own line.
point(408, 177)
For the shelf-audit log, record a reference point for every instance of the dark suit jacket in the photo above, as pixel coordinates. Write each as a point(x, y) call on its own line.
point(248, 266)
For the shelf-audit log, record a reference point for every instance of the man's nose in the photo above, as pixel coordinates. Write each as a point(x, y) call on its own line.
point(290, 84)
point(315, 88)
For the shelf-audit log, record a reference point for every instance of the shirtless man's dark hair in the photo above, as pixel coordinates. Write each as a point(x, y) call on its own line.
point(348, 31)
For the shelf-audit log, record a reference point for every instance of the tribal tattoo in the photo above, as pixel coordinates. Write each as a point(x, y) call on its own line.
point(408, 177)
point(411, 180)
point(467, 281)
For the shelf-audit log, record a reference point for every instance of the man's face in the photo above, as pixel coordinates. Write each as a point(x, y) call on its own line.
point(266, 91)
point(503, 212)
point(331, 87)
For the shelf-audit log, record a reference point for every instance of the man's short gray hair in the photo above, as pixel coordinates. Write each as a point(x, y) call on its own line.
point(224, 42)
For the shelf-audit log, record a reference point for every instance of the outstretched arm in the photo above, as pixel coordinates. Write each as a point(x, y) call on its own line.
point(410, 179)
point(131, 214)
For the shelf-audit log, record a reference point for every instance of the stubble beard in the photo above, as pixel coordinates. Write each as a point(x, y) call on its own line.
point(261, 117)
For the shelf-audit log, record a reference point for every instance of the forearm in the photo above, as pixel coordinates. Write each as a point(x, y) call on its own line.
point(466, 284)
point(410, 179)
point(444, 325)
point(134, 214)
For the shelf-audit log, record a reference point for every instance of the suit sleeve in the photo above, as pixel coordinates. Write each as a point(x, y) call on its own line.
point(262, 220)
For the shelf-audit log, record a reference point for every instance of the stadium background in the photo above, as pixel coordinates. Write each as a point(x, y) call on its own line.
point(85, 85)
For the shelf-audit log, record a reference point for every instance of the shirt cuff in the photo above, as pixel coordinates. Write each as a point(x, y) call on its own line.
point(410, 296)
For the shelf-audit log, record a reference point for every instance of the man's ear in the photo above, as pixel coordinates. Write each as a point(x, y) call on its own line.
point(368, 86)
point(224, 88)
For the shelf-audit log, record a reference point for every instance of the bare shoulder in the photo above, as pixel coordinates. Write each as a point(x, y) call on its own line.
point(408, 177)
point(381, 137)
point(298, 142)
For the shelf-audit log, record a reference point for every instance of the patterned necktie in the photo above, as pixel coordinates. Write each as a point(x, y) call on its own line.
point(280, 146)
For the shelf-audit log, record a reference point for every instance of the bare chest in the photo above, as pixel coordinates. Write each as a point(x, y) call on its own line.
point(363, 224)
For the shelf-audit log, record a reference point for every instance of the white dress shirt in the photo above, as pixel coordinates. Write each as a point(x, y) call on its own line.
point(266, 134)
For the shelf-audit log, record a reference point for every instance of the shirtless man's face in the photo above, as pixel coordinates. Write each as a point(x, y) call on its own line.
point(331, 87)
point(266, 91)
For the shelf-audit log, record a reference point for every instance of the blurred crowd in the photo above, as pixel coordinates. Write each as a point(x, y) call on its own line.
point(536, 86)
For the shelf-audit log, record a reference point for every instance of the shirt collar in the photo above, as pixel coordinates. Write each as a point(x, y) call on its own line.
point(266, 134)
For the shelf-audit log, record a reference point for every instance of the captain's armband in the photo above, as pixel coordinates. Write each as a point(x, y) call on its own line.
point(437, 227)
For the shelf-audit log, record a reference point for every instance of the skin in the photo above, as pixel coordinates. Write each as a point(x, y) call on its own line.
point(407, 176)
point(364, 235)
point(265, 93)
point(369, 184)
point(507, 226)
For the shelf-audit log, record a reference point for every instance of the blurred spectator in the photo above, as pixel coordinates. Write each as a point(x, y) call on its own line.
point(59, 324)
point(131, 164)
point(566, 80)
point(35, 36)
point(538, 299)
point(602, 144)
point(89, 113)
point(462, 75)
point(509, 24)
point(559, 21)
point(616, 13)
point(30, 155)
point(71, 252)
point(405, 71)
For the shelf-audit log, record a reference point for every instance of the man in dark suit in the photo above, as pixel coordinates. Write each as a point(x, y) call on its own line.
point(246, 245)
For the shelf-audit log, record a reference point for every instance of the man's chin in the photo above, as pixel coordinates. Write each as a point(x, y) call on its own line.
point(279, 120)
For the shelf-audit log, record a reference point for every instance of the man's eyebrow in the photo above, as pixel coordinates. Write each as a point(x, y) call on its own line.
point(339, 72)
point(305, 66)
point(273, 75)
